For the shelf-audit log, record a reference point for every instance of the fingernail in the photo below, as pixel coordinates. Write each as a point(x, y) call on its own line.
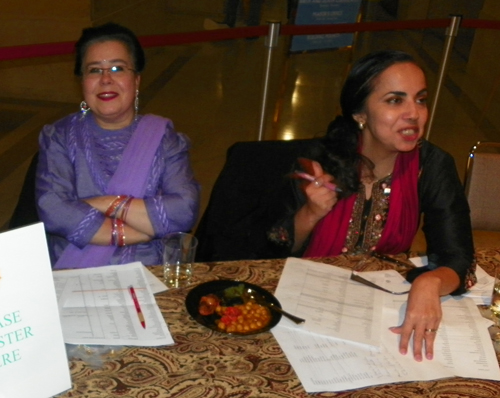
point(403, 351)
point(418, 358)
point(429, 356)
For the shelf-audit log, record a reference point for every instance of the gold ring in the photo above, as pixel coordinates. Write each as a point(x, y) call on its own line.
point(431, 330)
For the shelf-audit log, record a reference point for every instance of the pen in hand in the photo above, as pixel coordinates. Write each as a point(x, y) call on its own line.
point(137, 306)
point(308, 177)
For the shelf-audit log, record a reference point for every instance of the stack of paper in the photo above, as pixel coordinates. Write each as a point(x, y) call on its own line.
point(327, 358)
point(97, 306)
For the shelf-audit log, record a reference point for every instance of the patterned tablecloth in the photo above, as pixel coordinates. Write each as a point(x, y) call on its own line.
point(204, 363)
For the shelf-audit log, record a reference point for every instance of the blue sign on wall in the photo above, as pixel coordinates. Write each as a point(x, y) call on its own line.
point(322, 12)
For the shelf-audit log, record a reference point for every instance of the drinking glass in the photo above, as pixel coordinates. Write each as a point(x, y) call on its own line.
point(179, 249)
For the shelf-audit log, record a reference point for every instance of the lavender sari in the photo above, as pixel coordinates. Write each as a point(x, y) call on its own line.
point(130, 178)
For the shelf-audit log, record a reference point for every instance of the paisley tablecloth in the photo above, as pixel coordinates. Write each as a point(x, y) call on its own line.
point(208, 364)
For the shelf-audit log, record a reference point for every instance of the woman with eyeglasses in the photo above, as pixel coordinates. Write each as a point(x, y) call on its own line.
point(112, 182)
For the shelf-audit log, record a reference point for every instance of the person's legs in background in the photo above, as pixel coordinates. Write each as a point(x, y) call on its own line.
point(291, 9)
point(252, 11)
point(230, 11)
point(230, 14)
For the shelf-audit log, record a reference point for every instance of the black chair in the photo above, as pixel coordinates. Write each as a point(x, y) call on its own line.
point(25, 212)
point(245, 200)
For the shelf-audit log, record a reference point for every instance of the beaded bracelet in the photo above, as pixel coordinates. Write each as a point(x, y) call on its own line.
point(117, 233)
point(114, 233)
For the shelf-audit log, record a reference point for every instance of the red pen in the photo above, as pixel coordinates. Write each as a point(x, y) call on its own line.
point(137, 306)
point(311, 178)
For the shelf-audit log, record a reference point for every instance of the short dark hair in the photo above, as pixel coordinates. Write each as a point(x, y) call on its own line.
point(109, 32)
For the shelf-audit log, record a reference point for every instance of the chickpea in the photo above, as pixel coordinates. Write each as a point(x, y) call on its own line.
point(244, 318)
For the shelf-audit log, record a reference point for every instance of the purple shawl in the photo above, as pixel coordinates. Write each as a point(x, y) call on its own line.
point(130, 178)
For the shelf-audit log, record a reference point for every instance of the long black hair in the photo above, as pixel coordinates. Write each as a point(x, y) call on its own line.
point(338, 152)
point(109, 32)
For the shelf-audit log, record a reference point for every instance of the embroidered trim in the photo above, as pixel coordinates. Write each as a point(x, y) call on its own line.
point(470, 276)
point(280, 236)
point(368, 230)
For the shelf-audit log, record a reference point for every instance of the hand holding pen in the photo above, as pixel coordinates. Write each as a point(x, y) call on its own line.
point(308, 177)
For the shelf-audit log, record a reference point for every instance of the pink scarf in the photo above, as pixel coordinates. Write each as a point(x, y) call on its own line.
point(329, 235)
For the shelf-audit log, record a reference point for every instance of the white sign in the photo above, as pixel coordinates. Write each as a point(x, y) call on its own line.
point(33, 360)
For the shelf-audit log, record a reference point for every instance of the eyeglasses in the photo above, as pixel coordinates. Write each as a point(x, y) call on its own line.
point(115, 71)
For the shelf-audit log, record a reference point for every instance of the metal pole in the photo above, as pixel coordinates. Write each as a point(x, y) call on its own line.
point(271, 42)
point(451, 34)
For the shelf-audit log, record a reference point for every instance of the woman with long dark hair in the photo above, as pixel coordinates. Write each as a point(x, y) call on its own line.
point(385, 176)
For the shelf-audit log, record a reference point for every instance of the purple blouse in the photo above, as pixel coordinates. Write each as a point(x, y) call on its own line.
point(73, 166)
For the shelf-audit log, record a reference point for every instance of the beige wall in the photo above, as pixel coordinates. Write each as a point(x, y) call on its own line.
point(411, 9)
point(480, 57)
point(47, 21)
point(484, 64)
point(42, 21)
point(50, 78)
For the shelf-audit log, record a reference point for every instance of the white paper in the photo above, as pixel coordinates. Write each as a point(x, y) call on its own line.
point(33, 361)
point(96, 307)
point(481, 292)
point(157, 286)
point(463, 348)
point(419, 261)
point(330, 302)
point(463, 343)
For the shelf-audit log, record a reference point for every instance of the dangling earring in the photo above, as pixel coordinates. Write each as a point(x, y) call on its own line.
point(84, 108)
point(136, 103)
point(361, 125)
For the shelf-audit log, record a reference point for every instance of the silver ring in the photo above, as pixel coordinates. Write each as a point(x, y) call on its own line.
point(317, 183)
point(431, 330)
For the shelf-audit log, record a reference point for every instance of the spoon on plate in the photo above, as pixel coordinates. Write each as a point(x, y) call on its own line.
point(259, 299)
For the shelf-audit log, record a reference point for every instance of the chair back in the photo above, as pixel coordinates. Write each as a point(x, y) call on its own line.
point(245, 199)
point(25, 212)
point(482, 185)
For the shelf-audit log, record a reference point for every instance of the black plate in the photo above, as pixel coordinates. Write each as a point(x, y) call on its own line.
point(217, 287)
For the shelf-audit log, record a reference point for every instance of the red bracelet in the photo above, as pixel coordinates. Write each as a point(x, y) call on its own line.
point(126, 206)
point(112, 207)
point(114, 233)
point(121, 233)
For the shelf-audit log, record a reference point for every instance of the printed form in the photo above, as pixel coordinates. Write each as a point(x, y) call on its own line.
point(330, 302)
point(96, 307)
point(462, 348)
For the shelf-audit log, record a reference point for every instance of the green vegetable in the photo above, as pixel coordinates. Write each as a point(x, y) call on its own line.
point(234, 291)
